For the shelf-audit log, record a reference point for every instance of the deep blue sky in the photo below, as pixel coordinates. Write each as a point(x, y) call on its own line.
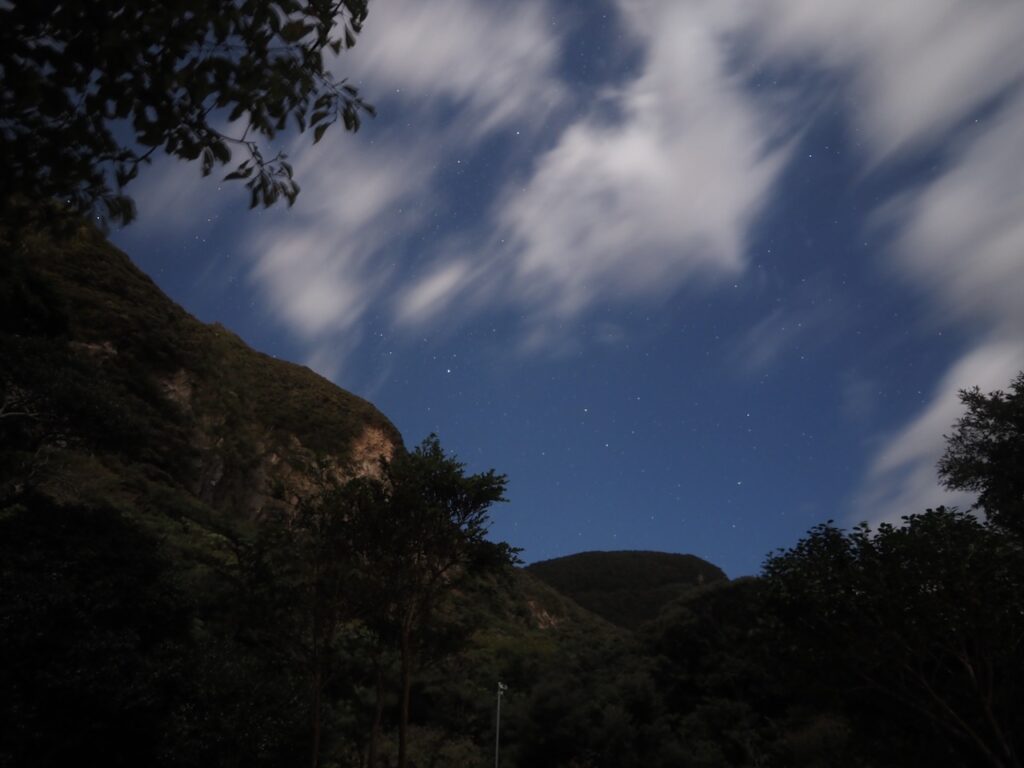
point(695, 275)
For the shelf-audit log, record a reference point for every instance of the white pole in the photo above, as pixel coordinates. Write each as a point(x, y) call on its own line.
point(497, 724)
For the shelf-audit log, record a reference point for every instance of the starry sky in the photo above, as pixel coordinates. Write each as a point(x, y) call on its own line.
point(696, 274)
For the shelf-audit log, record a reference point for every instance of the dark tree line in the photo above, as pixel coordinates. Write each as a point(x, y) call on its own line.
point(295, 639)
point(368, 629)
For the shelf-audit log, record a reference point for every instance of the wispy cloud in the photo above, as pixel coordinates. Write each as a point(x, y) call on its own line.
point(964, 232)
point(345, 246)
point(492, 63)
point(634, 205)
point(902, 479)
point(921, 72)
point(961, 238)
point(423, 301)
point(322, 263)
point(657, 186)
point(915, 68)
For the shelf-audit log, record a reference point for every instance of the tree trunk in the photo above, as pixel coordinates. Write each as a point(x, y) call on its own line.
point(378, 713)
point(317, 706)
point(403, 714)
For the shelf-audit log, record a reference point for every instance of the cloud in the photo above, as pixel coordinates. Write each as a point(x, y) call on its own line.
point(422, 301)
point(902, 479)
point(964, 233)
point(766, 340)
point(321, 264)
point(462, 69)
point(171, 195)
point(494, 62)
point(915, 68)
point(666, 192)
point(634, 205)
point(961, 238)
point(655, 187)
point(916, 73)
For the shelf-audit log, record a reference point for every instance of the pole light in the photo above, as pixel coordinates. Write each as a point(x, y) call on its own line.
point(497, 723)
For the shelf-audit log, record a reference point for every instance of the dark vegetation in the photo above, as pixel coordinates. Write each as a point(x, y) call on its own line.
point(93, 88)
point(289, 613)
point(626, 588)
point(209, 557)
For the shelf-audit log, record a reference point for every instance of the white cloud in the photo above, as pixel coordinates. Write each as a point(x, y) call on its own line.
point(915, 67)
point(171, 195)
point(635, 206)
point(964, 235)
point(322, 263)
point(422, 301)
point(661, 195)
point(325, 263)
point(917, 72)
point(493, 61)
point(902, 479)
point(765, 341)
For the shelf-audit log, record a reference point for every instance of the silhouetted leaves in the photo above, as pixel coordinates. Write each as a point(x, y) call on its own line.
point(985, 453)
point(92, 88)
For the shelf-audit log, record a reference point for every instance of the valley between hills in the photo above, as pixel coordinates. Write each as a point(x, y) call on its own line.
point(196, 572)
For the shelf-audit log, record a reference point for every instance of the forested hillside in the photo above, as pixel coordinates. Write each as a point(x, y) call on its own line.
point(626, 588)
point(211, 557)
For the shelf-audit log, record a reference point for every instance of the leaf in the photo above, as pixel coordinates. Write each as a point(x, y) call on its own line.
point(242, 172)
point(221, 152)
point(207, 161)
point(319, 132)
point(294, 31)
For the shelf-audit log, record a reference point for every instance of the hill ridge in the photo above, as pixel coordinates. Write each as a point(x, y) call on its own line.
point(625, 587)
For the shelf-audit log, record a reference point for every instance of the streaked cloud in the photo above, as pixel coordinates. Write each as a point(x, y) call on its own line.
point(322, 263)
point(633, 205)
point(914, 68)
point(963, 236)
point(492, 63)
point(346, 245)
point(914, 73)
point(902, 478)
point(422, 301)
point(658, 185)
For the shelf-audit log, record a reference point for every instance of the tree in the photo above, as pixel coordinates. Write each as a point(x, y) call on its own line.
point(94, 637)
point(93, 88)
point(423, 539)
point(921, 624)
point(985, 453)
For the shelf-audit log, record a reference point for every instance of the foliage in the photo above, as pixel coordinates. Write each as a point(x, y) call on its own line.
point(90, 638)
point(419, 534)
point(985, 453)
point(625, 588)
point(92, 88)
point(146, 619)
point(95, 357)
point(923, 622)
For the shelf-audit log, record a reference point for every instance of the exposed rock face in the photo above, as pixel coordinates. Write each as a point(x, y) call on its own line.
point(282, 469)
point(542, 618)
point(130, 379)
point(367, 451)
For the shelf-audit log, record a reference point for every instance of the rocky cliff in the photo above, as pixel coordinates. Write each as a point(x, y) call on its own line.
point(109, 388)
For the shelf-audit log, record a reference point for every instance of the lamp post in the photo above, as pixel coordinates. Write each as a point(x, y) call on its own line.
point(497, 723)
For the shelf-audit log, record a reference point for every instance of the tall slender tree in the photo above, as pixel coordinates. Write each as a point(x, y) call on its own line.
point(421, 540)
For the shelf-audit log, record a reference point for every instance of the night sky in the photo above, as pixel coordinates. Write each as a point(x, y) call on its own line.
point(696, 275)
